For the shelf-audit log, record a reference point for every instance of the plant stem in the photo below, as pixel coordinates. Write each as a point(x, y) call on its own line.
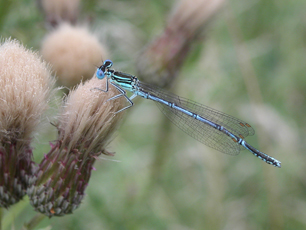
point(1, 214)
point(34, 222)
point(161, 154)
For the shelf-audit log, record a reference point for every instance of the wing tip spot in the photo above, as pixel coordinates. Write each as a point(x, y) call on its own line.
point(234, 139)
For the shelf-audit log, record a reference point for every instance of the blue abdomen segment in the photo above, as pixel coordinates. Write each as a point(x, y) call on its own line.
point(261, 155)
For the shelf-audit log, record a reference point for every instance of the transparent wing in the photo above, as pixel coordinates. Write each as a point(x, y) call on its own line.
point(199, 130)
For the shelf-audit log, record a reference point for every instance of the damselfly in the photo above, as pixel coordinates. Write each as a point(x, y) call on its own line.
point(209, 126)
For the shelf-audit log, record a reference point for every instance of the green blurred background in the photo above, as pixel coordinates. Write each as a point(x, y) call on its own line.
point(250, 65)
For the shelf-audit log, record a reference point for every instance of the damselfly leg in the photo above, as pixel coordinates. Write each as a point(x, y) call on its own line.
point(122, 93)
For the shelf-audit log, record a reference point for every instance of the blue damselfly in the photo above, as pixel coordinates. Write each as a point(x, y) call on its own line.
point(209, 126)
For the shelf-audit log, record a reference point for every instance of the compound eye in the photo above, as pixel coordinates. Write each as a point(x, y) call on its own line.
point(100, 74)
point(108, 63)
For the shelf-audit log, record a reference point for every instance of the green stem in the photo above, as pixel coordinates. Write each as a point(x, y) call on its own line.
point(34, 222)
point(160, 156)
point(1, 214)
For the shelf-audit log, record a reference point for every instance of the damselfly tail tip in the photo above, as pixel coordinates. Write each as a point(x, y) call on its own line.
point(277, 164)
point(274, 162)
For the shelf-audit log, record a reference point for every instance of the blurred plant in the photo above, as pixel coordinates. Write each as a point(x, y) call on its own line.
point(58, 11)
point(4, 10)
point(160, 62)
point(85, 127)
point(25, 83)
point(73, 53)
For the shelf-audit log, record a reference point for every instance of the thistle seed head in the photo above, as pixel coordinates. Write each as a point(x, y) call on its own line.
point(85, 127)
point(160, 62)
point(26, 83)
point(57, 11)
point(73, 53)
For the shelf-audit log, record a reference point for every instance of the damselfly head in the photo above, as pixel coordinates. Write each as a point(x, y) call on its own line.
point(101, 70)
point(100, 73)
point(107, 64)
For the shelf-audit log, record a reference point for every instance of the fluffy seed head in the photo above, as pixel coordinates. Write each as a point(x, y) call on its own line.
point(73, 53)
point(88, 119)
point(190, 18)
point(160, 62)
point(85, 127)
point(57, 11)
point(26, 84)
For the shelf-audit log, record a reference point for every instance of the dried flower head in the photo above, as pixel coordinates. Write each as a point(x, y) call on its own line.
point(160, 62)
point(26, 83)
point(85, 127)
point(57, 11)
point(73, 53)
